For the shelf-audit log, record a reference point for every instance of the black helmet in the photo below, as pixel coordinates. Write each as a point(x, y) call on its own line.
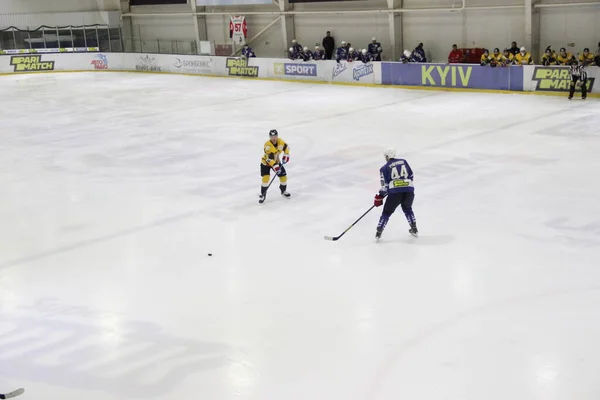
point(496, 50)
point(563, 50)
point(273, 132)
point(586, 50)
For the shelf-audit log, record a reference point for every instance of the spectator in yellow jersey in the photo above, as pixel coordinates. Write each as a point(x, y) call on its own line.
point(586, 58)
point(508, 58)
point(549, 57)
point(496, 58)
point(563, 57)
point(523, 58)
point(485, 58)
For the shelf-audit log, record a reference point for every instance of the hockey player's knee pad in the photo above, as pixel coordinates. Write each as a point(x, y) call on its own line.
point(265, 178)
point(283, 179)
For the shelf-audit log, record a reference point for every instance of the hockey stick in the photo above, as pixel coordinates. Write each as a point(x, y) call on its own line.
point(334, 238)
point(10, 395)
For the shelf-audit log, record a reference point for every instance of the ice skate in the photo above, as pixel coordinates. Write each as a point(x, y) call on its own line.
point(413, 230)
point(378, 233)
point(284, 192)
point(261, 198)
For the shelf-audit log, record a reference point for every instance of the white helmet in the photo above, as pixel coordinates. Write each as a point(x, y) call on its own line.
point(407, 53)
point(317, 47)
point(351, 49)
point(374, 39)
point(523, 49)
point(343, 43)
point(305, 48)
point(364, 51)
point(390, 152)
point(291, 49)
point(294, 41)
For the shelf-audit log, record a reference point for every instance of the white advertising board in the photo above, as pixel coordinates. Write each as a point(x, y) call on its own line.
point(355, 72)
point(284, 69)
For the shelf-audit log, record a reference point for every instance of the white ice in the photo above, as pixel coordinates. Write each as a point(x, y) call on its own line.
point(115, 187)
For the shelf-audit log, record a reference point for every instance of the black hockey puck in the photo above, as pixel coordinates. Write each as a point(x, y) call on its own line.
point(210, 254)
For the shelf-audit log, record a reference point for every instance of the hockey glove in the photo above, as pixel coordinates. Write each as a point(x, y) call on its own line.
point(378, 200)
point(286, 159)
point(277, 169)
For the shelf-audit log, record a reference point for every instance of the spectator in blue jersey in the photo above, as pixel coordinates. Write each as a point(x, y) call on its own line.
point(418, 55)
point(319, 54)
point(375, 49)
point(247, 52)
point(296, 46)
point(341, 53)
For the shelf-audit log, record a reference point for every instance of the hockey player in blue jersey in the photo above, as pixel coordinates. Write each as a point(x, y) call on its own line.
point(293, 54)
point(351, 55)
point(247, 52)
point(318, 54)
point(306, 54)
point(341, 53)
point(418, 54)
point(365, 56)
point(375, 49)
point(297, 46)
point(405, 57)
point(398, 189)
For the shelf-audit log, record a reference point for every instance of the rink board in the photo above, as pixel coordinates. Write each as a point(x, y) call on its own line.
point(444, 76)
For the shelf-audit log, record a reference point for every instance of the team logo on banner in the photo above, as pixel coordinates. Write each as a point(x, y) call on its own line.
point(555, 80)
point(31, 63)
point(238, 30)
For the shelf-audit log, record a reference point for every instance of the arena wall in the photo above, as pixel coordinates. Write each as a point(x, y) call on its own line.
point(573, 27)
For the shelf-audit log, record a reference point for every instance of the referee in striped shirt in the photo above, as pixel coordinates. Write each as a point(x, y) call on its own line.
point(578, 73)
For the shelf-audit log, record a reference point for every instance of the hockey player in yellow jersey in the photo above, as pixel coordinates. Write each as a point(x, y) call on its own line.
point(274, 148)
point(508, 58)
point(523, 57)
point(563, 57)
point(586, 58)
point(549, 57)
point(497, 59)
point(485, 58)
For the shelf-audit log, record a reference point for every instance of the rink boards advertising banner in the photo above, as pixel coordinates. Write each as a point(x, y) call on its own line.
point(529, 78)
point(452, 76)
point(555, 79)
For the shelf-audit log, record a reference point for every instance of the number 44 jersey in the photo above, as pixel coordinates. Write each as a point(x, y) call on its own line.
point(396, 176)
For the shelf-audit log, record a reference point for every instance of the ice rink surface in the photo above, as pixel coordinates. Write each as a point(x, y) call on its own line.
point(115, 187)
